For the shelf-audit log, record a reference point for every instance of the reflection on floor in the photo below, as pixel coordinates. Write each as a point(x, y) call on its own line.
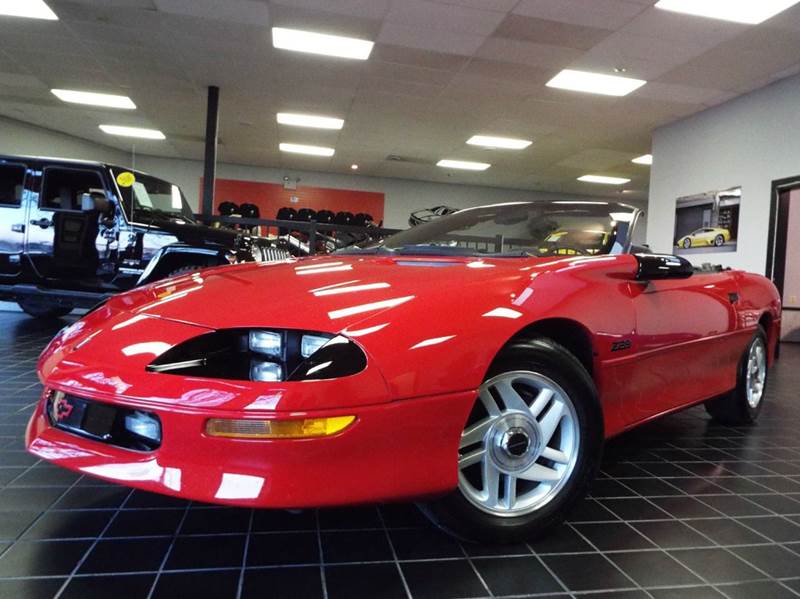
point(684, 508)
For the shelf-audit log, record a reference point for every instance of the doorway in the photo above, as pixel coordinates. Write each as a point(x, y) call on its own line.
point(783, 253)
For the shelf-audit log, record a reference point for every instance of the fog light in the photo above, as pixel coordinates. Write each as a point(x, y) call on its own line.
point(309, 344)
point(265, 371)
point(143, 425)
point(278, 429)
point(265, 342)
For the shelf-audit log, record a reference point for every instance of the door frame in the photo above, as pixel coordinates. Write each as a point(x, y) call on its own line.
point(777, 238)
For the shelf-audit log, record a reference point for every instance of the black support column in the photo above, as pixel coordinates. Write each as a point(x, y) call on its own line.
point(210, 165)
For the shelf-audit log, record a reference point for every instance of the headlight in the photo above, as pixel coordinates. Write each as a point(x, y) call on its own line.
point(263, 355)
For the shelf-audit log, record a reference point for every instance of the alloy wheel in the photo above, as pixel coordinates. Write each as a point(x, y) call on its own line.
point(756, 372)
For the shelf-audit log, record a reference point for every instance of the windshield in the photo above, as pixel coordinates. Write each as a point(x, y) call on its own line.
point(521, 229)
point(147, 197)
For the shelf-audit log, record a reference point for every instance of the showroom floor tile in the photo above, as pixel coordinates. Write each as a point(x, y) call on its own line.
point(683, 509)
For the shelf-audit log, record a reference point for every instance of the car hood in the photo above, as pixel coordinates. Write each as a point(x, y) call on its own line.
point(327, 294)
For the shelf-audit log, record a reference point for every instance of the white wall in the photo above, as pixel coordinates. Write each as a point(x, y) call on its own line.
point(748, 142)
point(402, 196)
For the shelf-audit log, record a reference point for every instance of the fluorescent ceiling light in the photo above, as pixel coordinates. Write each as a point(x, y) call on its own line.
point(33, 9)
point(308, 120)
point(132, 132)
point(751, 12)
point(320, 43)
point(603, 179)
point(505, 143)
point(93, 99)
point(310, 150)
point(646, 159)
point(464, 165)
point(595, 83)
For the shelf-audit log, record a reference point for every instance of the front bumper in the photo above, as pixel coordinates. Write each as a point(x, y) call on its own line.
point(396, 450)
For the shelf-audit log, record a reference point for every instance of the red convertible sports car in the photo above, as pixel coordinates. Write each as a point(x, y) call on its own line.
point(475, 364)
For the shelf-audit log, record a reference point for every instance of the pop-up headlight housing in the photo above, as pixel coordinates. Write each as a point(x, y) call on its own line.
point(263, 355)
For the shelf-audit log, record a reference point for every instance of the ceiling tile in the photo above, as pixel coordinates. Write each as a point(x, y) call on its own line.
point(432, 15)
point(605, 14)
point(418, 58)
point(530, 53)
point(553, 33)
point(430, 39)
point(248, 12)
point(368, 9)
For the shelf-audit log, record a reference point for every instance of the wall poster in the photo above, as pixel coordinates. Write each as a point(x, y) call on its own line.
point(708, 222)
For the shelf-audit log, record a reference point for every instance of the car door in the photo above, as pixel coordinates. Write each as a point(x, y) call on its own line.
point(12, 215)
point(63, 225)
point(687, 342)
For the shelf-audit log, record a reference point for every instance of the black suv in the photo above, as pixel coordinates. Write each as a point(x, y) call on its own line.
point(74, 232)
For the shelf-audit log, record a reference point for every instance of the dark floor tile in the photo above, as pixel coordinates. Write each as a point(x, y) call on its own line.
point(129, 586)
point(283, 583)
point(653, 487)
point(349, 517)
point(283, 548)
point(93, 497)
point(716, 565)
point(29, 498)
point(213, 551)
point(367, 580)
point(136, 523)
point(403, 515)
point(665, 469)
point(779, 484)
point(758, 589)
point(496, 550)
point(31, 588)
point(775, 528)
point(424, 544)
point(738, 484)
point(141, 499)
point(634, 508)
point(442, 579)
point(704, 592)
point(42, 558)
point(197, 585)
point(726, 531)
point(590, 510)
point(779, 504)
point(613, 536)
point(671, 534)
point(572, 570)
point(9, 474)
point(653, 569)
point(13, 523)
point(772, 559)
point(283, 520)
point(561, 539)
point(733, 505)
point(355, 546)
point(685, 507)
point(69, 524)
point(45, 475)
point(126, 555)
point(216, 520)
point(516, 576)
point(608, 487)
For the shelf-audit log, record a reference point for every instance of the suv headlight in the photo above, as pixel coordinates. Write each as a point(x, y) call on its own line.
point(265, 355)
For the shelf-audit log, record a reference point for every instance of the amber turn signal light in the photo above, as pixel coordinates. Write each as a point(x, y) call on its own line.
point(277, 429)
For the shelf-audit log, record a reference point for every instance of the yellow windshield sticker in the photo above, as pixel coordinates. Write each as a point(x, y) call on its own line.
point(126, 179)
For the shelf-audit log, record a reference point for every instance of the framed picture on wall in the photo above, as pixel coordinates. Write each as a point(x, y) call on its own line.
point(708, 222)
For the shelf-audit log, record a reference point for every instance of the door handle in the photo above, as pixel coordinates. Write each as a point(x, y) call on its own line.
point(42, 222)
point(18, 228)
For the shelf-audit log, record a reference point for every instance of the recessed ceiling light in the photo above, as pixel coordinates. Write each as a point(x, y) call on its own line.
point(603, 179)
point(464, 165)
point(309, 120)
point(33, 9)
point(595, 83)
point(132, 132)
point(94, 99)
point(645, 159)
point(310, 150)
point(505, 143)
point(320, 43)
point(354, 167)
point(739, 11)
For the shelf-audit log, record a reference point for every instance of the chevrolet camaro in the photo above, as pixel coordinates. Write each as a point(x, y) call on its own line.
point(705, 237)
point(474, 364)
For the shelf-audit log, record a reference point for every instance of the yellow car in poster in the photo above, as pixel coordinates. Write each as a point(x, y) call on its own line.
point(705, 237)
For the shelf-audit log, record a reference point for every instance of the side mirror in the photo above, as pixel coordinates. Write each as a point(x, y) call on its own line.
point(653, 267)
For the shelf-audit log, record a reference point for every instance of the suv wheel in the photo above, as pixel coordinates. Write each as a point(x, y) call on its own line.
point(529, 449)
point(42, 308)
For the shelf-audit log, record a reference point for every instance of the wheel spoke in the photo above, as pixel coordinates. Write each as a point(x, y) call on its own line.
point(539, 473)
point(541, 401)
point(471, 458)
point(550, 421)
point(474, 434)
point(510, 397)
point(555, 455)
point(488, 401)
point(491, 481)
point(509, 491)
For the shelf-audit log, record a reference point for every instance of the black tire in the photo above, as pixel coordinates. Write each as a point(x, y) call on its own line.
point(733, 408)
point(687, 243)
point(719, 240)
point(42, 308)
point(458, 516)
